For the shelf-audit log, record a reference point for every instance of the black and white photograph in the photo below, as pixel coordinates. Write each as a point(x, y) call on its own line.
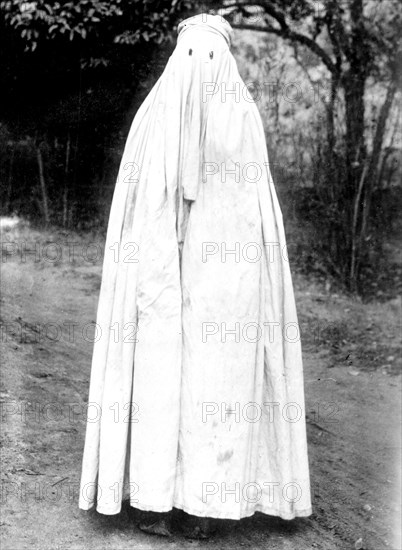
point(201, 275)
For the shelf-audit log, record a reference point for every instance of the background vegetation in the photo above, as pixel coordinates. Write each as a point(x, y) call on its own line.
point(325, 75)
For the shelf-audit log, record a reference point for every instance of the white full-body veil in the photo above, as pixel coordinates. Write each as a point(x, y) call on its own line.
point(196, 395)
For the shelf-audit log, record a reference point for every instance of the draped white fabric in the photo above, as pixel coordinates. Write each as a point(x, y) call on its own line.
point(196, 391)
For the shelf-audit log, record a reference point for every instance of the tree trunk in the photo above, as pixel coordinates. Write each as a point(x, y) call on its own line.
point(65, 191)
point(10, 181)
point(354, 87)
point(45, 206)
point(375, 155)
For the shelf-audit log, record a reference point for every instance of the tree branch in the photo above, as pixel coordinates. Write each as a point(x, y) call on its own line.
point(293, 36)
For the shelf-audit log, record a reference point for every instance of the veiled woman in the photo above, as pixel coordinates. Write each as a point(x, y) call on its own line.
point(196, 394)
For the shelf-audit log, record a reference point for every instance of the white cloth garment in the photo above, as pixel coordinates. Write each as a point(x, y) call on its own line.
point(196, 394)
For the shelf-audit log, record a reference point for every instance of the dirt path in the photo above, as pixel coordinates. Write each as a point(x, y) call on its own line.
point(352, 385)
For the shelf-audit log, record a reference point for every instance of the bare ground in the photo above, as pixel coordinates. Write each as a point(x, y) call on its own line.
point(352, 380)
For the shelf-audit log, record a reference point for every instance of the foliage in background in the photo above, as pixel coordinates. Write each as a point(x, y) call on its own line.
point(74, 74)
point(291, 90)
point(127, 21)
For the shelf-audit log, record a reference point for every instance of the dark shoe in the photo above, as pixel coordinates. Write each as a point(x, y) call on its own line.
point(194, 527)
point(155, 523)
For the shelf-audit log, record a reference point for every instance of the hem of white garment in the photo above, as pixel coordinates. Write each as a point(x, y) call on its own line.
point(203, 514)
point(268, 511)
point(105, 511)
point(152, 507)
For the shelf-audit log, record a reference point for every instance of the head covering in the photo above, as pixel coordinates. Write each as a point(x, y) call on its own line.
point(213, 23)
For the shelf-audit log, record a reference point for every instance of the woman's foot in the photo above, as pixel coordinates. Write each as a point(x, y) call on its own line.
point(201, 528)
point(155, 523)
point(194, 527)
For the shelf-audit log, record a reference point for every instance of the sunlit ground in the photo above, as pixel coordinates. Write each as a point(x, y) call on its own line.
point(8, 222)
